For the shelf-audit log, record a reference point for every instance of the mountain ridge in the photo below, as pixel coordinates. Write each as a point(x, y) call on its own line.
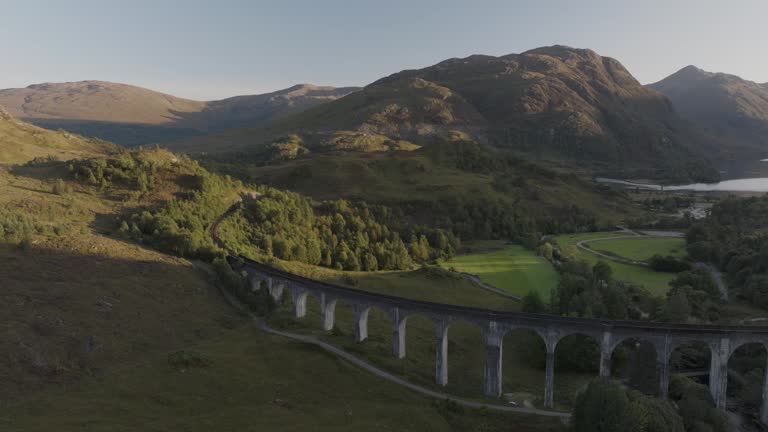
point(551, 102)
point(133, 115)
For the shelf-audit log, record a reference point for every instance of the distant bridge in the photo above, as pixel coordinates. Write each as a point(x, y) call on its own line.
point(723, 341)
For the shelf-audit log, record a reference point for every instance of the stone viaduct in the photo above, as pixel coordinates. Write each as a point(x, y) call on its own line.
point(722, 340)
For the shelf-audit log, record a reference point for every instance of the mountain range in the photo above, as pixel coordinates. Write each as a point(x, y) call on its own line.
point(553, 103)
point(732, 110)
point(131, 115)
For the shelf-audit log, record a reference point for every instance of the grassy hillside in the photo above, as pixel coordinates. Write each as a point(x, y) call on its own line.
point(77, 299)
point(254, 382)
point(476, 192)
point(21, 142)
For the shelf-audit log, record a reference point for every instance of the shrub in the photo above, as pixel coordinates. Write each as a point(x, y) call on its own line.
point(60, 187)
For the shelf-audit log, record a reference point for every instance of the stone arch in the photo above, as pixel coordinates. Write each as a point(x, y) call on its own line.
point(343, 329)
point(636, 360)
point(416, 331)
point(523, 365)
point(747, 378)
point(691, 358)
point(577, 361)
point(464, 355)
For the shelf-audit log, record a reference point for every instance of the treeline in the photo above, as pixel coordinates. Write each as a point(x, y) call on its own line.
point(180, 226)
point(338, 234)
point(734, 238)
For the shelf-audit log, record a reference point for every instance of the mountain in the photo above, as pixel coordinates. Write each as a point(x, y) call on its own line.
point(131, 115)
point(21, 142)
point(730, 108)
point(554, 102)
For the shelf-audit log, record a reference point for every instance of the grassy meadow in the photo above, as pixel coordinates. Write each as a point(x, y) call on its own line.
point(511, 268)
point(642, 248)
point(656, 282)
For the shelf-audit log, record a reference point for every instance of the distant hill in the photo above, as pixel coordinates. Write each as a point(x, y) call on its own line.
point(553, 102)
point(732, 109)
point(21, 142)
point(131, 115)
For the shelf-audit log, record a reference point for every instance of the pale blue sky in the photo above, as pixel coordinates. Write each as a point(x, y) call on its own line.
point(219, 48)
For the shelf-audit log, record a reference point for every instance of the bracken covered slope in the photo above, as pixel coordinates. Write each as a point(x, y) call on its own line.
point(21, 142)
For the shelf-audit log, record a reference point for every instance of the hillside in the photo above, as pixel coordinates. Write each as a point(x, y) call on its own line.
point(21, 142)
point(730, 108)
point(132, 115)
point(554, 103)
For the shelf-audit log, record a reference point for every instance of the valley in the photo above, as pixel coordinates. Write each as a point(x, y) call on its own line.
point(527, 241)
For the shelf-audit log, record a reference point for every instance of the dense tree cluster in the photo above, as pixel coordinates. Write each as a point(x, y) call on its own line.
point(607, 407)
point(130, 169)
point(692, 294)
point(734, 237)
point(180, 226)
point(695, 405)
point(340, 234)
point(591, 292)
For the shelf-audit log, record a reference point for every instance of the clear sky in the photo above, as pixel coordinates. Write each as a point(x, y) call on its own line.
point(217, 48)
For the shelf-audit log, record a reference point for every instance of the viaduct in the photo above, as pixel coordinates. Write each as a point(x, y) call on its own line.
point(722, 340)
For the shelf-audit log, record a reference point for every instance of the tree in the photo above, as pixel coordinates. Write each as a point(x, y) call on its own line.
point(602, 407)
point(532, 303)
point(601, 272)
point(607, 407)
point(678, 308)
point(546, 250)
point(61, 188)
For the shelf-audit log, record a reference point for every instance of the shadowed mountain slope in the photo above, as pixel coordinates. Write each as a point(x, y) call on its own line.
point(133, 115)
point(732, 109)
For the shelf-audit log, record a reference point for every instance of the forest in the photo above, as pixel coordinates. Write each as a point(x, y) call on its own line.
point(734, 238)
point(338, 234)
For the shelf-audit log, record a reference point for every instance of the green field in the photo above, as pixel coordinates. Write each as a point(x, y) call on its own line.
point(508, 267)
point(656, 282)
point(642, 248)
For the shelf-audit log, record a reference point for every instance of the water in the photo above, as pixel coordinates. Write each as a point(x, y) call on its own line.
point(739, 176)
point(758, 184)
